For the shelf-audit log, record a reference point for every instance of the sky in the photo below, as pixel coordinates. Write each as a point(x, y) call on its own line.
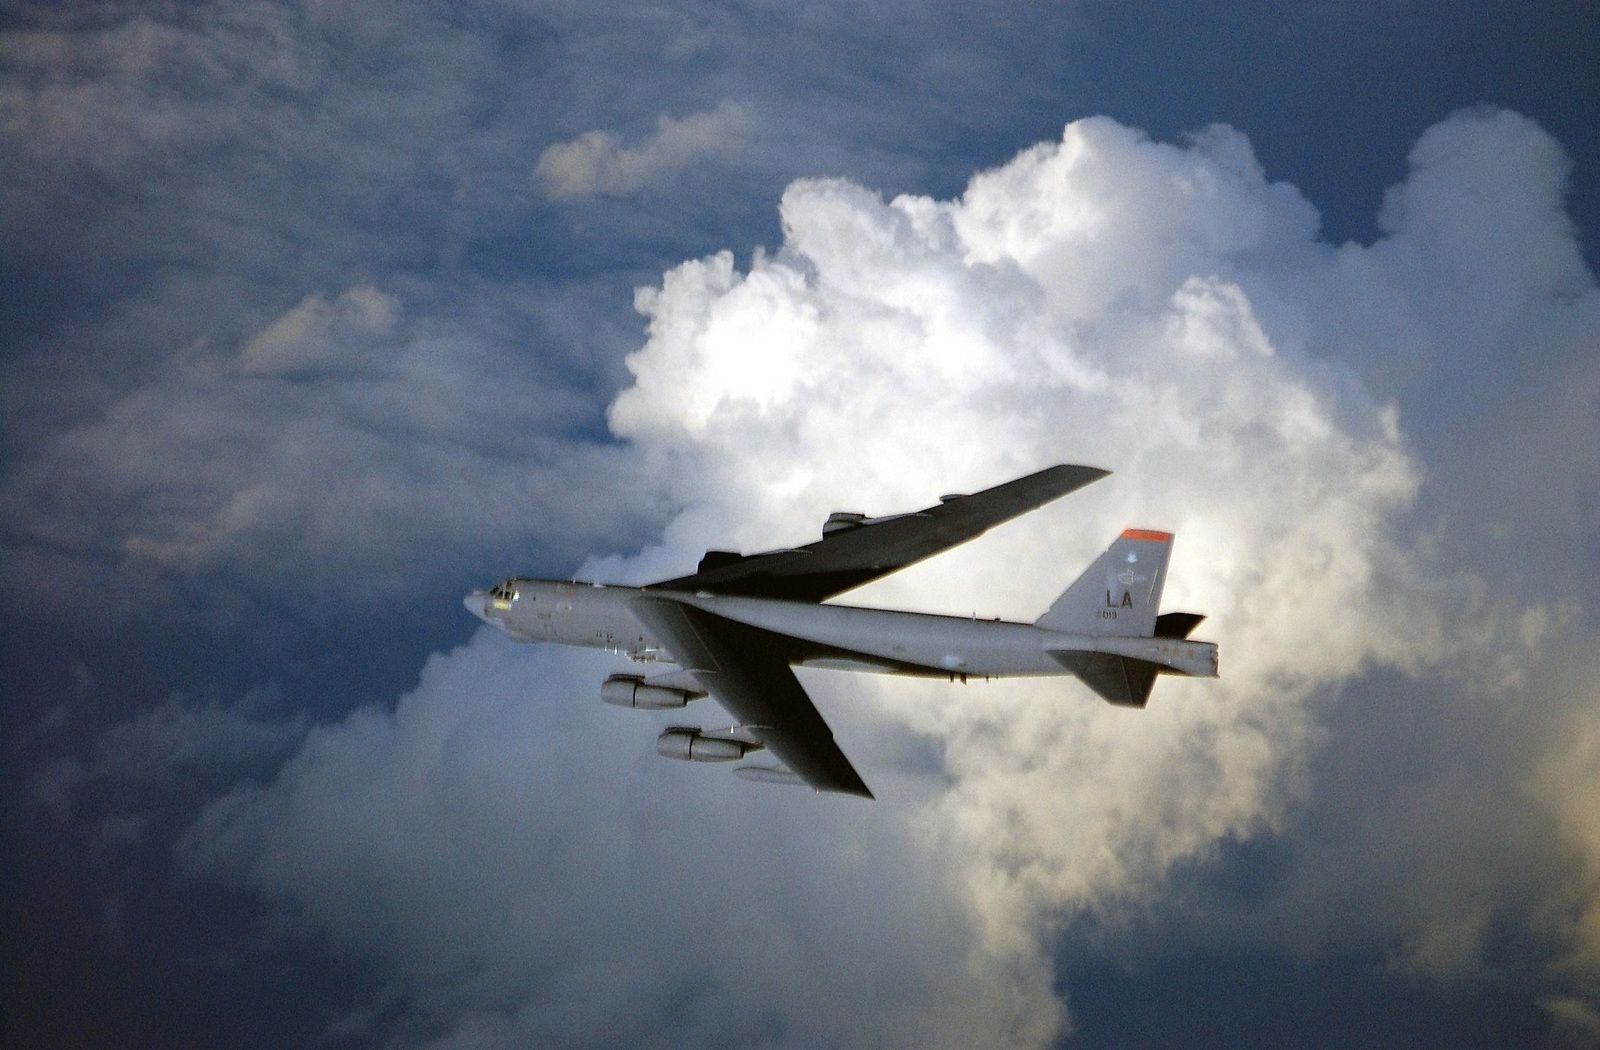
point(315, 316)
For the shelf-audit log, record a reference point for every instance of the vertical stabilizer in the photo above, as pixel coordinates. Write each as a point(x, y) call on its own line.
point(1120, 593)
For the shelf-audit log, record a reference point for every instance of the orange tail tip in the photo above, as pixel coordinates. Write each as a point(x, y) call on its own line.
point(1146, 534)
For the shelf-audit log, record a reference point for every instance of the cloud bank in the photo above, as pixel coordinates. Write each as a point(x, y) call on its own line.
point(530, 871)
point(342, 443)
point(596, 162)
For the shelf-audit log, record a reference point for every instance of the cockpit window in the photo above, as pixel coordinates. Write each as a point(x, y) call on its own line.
point(506, 592)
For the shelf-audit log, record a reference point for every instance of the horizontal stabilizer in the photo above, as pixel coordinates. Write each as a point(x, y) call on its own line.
point(1177, 624)
point(1121, 680)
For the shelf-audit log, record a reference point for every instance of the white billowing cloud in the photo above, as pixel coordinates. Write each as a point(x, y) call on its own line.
point(538, 876)
point(597, 163)
point(1486, 178)
point(533, 874)
point(895, 351)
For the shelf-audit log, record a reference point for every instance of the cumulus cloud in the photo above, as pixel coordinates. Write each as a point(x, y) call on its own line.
point(518, 853)
point(892, 349)
point(1106, 300)
point(597, 162)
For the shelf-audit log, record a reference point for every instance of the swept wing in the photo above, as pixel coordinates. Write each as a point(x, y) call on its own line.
point(747, 671)
point(860, 553)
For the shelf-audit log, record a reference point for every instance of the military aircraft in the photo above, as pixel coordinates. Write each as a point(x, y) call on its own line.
point(737, 626)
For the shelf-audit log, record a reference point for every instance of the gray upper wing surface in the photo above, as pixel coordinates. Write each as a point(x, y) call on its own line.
point(852, 556)
point(747, 671)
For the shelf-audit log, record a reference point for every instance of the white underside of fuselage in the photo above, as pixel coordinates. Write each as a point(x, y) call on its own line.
point(837, 636)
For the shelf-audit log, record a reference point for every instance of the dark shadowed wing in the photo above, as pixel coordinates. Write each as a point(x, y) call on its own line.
point(859, 554)
point(747, 671)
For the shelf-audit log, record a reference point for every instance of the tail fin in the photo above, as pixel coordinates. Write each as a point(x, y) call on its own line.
point(1119, 594)
point(1115, 602)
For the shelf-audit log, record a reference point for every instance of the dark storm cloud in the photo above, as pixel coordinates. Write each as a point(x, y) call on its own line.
point(315, 226)
point(289, 139)
point(171, 744)
point(340, 443)
point(328, 118)
point(241, 159)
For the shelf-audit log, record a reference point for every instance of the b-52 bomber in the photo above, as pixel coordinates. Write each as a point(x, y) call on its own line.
point(737, 627)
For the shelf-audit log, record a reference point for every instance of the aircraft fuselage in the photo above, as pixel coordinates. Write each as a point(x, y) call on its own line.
point(820, 635)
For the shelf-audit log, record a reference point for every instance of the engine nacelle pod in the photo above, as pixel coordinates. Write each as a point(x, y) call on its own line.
point(626, 690)
point(691, 745)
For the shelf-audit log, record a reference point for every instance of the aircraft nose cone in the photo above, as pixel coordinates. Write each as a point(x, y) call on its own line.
point(477, 604)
